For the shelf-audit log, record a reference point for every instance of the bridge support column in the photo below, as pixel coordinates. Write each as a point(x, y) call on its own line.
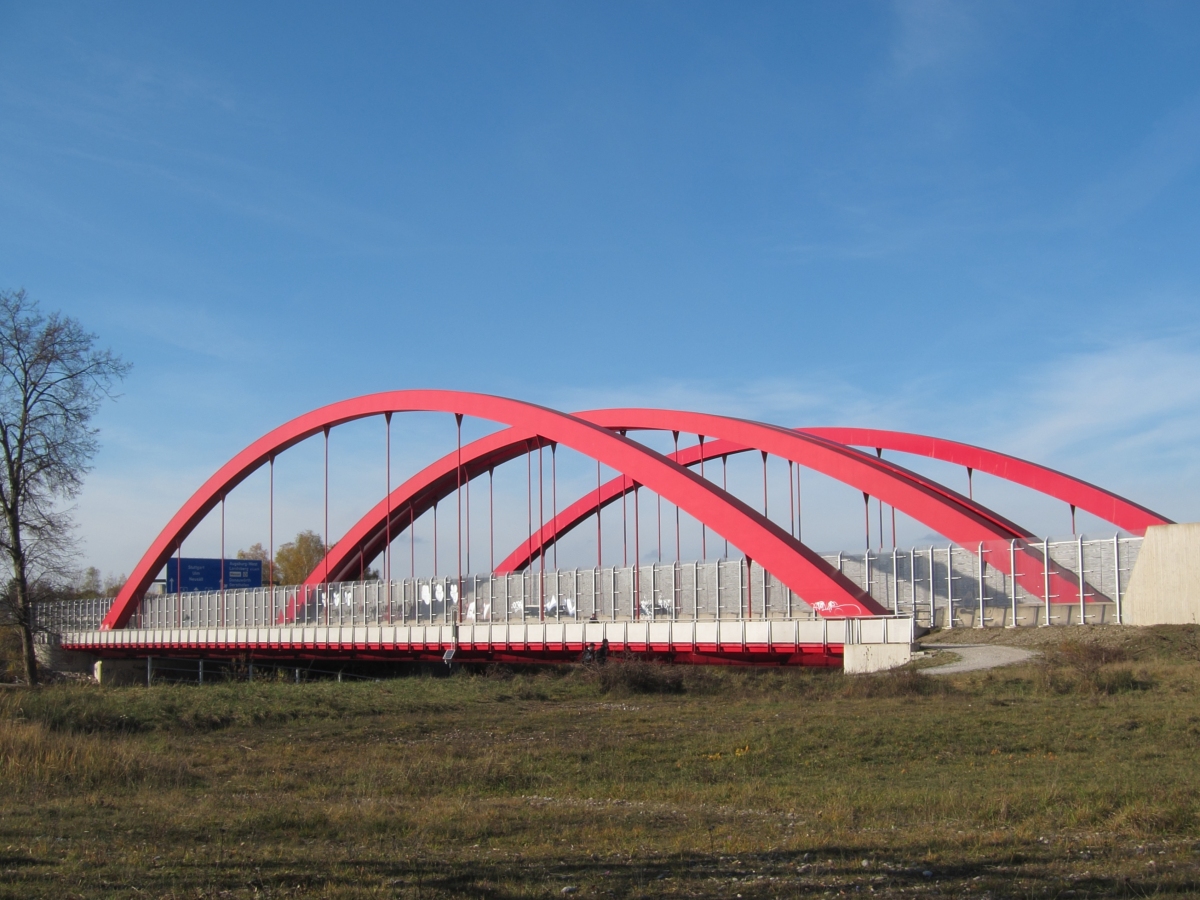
point(860, 659)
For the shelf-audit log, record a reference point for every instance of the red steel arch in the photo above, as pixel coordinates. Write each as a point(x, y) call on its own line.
point(611, 491)
point(367, 537)
point(1120, 511)
point(690, 456)
point(947, 512)
point(1101, 503)
point(789, 560)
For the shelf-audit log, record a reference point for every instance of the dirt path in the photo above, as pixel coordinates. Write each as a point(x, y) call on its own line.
point(975, 657)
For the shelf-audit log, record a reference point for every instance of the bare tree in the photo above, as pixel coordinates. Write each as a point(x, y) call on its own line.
point(52, 382)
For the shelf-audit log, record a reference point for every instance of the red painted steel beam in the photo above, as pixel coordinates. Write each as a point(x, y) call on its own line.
point(795, 565)
point(945, 511)
point(1099, 502)
point(811, 655)
point(416, 496)
point(437, 481)
point(366, 538)
point(574, 514)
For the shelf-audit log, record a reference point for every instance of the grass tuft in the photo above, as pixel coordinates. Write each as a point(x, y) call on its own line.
point(906, 681)
point(33, 755)
point(630, 675)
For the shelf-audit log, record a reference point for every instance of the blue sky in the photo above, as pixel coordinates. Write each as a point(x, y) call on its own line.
point(977, 220)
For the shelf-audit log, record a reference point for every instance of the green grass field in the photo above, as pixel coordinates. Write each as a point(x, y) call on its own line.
point(1075, 777)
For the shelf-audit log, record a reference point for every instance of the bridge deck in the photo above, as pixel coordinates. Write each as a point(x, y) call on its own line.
point(815, 642)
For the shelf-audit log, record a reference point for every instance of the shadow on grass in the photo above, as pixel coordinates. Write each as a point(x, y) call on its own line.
point(748, 875)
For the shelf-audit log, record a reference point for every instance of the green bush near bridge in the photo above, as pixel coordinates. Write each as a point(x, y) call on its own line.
point(1074, 774)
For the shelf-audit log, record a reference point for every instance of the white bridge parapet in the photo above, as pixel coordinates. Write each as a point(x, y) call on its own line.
point(736, 636)
point(695, 591)
point(944, 586)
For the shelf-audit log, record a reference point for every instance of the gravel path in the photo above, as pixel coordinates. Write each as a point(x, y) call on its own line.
point(979, 656)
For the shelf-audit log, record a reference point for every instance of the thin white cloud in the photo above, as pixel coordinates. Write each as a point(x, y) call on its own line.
point(1169, 150)
point(1136, 403)
point(776, 400)
point(931, 33)
point(1124, 415)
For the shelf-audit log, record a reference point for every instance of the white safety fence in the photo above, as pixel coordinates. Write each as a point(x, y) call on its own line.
point(695, 591)
point(945, 585)
point(952, 585)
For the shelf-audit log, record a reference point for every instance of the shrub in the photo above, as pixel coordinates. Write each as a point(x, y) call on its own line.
point(1086, 658)
point(637, 676)
point(1075, 667)
point(906, 681)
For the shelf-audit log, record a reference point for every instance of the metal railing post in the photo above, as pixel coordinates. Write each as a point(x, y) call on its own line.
point(1079, 558)
point(912, 579)
point(1012, 567)
point(1117, 573)
point(1046, 577)
point(981, 564)
point(950, 586)
point(741, 594)
point(932, 592)
point(895, 584)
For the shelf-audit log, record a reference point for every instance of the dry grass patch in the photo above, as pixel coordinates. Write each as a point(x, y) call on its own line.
point(33, 755)
point(633, 781)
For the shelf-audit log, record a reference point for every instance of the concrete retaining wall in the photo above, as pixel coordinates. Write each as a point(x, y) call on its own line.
point(1164, 588)
point(51, 655)
point(860, 659)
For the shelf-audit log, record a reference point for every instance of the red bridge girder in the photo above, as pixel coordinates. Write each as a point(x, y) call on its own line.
point(795, 565)
point(1099, 502)
point(594, 434)
point(947, 512)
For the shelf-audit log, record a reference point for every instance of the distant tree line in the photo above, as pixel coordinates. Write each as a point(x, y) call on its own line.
point(295, 560)
point(88, 585)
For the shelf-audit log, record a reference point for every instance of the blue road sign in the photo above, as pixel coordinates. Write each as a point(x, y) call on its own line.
point(205, 574)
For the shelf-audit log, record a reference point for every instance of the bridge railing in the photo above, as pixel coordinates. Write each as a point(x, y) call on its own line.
point(955, 585)
point(718, 589)
point(939, 585)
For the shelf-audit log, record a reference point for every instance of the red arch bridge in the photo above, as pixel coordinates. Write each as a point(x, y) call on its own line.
point(772, 600)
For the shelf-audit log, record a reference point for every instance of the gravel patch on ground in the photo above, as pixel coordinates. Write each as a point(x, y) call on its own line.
point(1168, 642)
point(975, 657)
